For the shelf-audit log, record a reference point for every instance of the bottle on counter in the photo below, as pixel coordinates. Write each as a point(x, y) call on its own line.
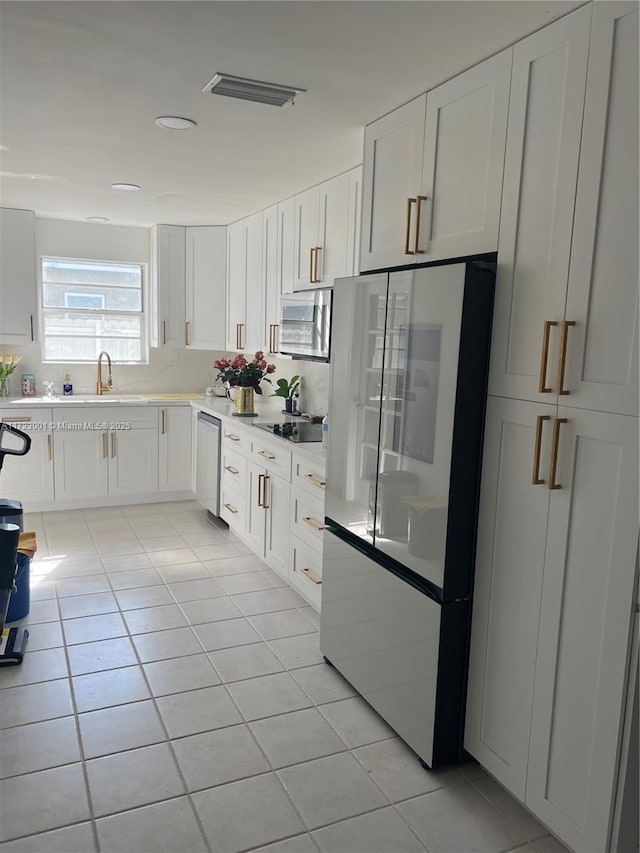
point(67, 387)
point(325, 430)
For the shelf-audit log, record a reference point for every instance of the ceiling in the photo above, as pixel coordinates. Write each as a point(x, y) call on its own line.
point(82, 82)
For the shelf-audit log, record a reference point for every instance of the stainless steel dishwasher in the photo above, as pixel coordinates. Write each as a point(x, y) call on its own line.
point(208, 462)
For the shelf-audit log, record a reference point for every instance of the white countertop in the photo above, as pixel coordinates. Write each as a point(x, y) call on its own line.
point(112, 398)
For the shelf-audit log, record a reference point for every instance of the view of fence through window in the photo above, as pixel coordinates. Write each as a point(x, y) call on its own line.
point(89, 306)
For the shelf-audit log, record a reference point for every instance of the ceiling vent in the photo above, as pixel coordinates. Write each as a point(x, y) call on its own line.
point(251, 90)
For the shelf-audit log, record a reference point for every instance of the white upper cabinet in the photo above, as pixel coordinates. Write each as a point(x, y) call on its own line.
point(286, 244)
point(393, 147)
point(464, 142)
point(254, 336)
point(206, 285)
point(602, 295)
point(270, 246)
point(354, 221)
point(18, 292)
point(168, 286)
point(541, 167)
point(325, 219)
point(236, 284)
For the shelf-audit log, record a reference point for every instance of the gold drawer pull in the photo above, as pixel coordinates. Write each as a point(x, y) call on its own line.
point(419, 201)
point(231, 469)
point(49, 451)
point(542, 387)
point(315, 480)
point(563, 356)
point(31, 333)
point(315, 278)
point(309, 575)
point(105, 445)
point(313, 523)
point(231, 436)
point(164, 332)
point(231, 508)
point(187, 333)
point(266, 454)
point(554, 454)
point(536, 449)
point(113, 445)
point(16, 420)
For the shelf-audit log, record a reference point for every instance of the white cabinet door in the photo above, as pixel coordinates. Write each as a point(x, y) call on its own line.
point(206, 286)
point(133, 461)
point(307, 215)
point(17, 276)
point(271, 278)
point(286, 244)
point(80, 463)
point(29, 478)
point(253, 338)
point(392, 175)
point(585, 622)
point(465, 137)
point(354, 221)
point(236, 284)
point(541, 164)
point(175, 449)
point(255, 509)
point(276, 545)
point(168, 294)
point(508, 581)
point(333, 230)
point(602, 298)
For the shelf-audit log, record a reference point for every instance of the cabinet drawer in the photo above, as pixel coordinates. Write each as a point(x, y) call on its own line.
point(235, 439)
point(233, 508)
point(309, 474)
point(305, 571)
point(234, 469)
point(307, 517)
point(270, 455)
point(140, 417)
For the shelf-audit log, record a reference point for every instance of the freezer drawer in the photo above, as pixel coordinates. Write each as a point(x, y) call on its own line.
point(403, 651)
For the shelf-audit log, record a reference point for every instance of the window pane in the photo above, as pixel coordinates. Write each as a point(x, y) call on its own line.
point(91, 272)
point(92, 325)
point(88, 349)
point(56, 295)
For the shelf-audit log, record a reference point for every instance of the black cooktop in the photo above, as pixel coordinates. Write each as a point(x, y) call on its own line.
point(298, 432)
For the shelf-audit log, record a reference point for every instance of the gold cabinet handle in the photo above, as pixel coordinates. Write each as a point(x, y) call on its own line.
point(31, 327)
point(309, 575)
point(542, 387)
point(231, 469)
point(164, 332)
point(315, 480)
point(187, 333)
point(231, 508)
point(312, 252)
point(260, 489)
point(416, 242)
point(113, 445)
point(536, 450)
point(316, 278)
point(274, 346)
point(49, 451)
point(231, 436)
point(266, 454)
point(163, 421)
point(265, 491)
point(407, 235)
point(24, 420)
point(554, 454)
point(313, 523)
point(239, 335)
point(105, 445)
point(563, 355)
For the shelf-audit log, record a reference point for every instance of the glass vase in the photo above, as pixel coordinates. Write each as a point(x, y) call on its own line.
point(4, 386)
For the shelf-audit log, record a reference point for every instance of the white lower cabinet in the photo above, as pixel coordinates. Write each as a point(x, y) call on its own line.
point(175, 448)
point(268, 494)
point(81, 464)
point(133, 461)
point(306, 521)
point(552, 612)
point(30, 477)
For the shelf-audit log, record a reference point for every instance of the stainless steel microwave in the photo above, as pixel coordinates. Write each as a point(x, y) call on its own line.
point(305, 324)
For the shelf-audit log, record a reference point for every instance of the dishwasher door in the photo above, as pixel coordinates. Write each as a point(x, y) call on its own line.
point(208, 462)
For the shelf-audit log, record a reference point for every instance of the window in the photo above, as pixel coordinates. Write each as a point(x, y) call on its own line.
point(89, 306)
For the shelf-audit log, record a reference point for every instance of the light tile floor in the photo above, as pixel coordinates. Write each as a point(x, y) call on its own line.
point(173, 698)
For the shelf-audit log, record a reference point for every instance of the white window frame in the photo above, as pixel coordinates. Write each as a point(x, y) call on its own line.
point(144, 320)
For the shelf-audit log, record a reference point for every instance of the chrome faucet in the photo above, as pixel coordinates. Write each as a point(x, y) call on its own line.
point(100, 387)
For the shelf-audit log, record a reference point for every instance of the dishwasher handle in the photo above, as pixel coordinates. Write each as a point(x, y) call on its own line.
point(209, 420)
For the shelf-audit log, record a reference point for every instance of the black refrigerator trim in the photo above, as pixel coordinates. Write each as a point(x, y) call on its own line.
point(485, 257)
point(381, 559)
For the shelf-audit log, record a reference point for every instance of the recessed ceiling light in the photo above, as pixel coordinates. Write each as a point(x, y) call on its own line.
point(127, 188)
point(175, 122)
point(97, 219)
